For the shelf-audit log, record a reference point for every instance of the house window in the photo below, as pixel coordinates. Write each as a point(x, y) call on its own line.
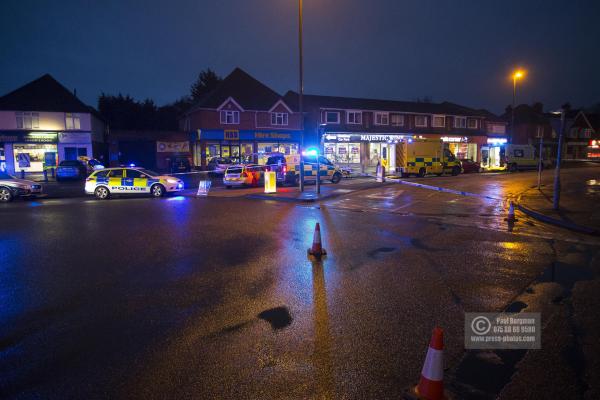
point(28, 120)
point(279, 118)
point(332, 117)
point(354, 117)
point(382, 118)
point(230, 117)
point(397, 120)
point(460, 122)
point(420, 121)
point(438, 121)
point(472, 123)
point(72, 121)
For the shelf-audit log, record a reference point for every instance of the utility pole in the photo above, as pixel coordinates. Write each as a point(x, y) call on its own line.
point(540, 166)
point(300, 95)
point(565, 109)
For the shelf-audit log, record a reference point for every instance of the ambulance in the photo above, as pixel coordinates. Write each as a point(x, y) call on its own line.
point(425, 156)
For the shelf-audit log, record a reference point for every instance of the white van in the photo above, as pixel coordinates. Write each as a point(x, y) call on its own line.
point(520, 156)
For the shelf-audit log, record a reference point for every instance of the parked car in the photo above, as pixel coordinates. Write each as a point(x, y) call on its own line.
point(469, 165)
point(71, 169)
point(11, 187)
point(105, 182)
point(243, 175)
point(180, 164)
point(219, 164)
point(91, 164)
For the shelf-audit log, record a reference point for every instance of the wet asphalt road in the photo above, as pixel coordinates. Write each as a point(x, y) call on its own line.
point(215, 298)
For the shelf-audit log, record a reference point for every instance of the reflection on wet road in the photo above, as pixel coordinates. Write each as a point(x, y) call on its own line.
point(215, 298)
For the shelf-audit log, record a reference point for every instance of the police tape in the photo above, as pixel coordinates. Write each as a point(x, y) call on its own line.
point(442, 189)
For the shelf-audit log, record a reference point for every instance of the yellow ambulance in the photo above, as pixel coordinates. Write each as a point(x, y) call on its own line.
point(425, 156)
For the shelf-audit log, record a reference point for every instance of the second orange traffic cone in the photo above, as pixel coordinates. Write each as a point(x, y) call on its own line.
point(317, 249)
point(431, 384)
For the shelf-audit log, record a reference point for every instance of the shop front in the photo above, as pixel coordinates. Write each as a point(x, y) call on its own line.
point(242, 145)
point(362, 152)
point(493, 154)
point(463, 147)
point(28, 151)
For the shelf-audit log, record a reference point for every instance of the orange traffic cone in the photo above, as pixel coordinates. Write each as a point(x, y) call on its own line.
point(317, 250)
point(431, 385)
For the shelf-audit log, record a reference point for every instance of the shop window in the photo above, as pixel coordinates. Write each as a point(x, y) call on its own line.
point(354, 117)
point(27, 120)
point(460, 122)
point(397, 120)
point(72, 121)
point(420, 121)
point(438, 121)
point(381, 118)
point(279, 118)
point(230, 117)
point(332, 117)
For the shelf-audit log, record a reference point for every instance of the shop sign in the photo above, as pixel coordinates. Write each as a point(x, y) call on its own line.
point(172, 147)
point(454, 139)
point(328, 150)
point(496, 141)
point(74, 137)
point(231, 135)
point(272, 135)
point(342, 150)
point(380, 138)
point(39, 137)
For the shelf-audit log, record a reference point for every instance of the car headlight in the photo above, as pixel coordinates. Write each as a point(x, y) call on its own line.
point(173, 180)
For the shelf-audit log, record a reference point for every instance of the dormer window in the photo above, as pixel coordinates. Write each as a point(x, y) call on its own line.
point(420, 121)
point(460, 122)
point(27, 120)
point(354, 117)
point(382, 118)
point(438, 121)
point(72, 121)
point(230, 117)
point(332, 117)
point(279, 118)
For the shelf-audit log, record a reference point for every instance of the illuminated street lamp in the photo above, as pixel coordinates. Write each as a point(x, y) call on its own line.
point(301, 94)
point(518, 74)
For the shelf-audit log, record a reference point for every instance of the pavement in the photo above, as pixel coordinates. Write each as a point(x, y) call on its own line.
point(216, 298)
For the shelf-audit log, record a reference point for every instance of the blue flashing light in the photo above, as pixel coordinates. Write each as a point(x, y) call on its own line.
point(310, 152)
point(132, 165)
point(410, 140)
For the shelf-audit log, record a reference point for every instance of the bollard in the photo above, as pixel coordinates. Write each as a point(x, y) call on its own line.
point(22, 174)
point(45, 175)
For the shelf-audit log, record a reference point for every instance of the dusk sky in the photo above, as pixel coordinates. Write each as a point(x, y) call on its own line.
point(460, 51)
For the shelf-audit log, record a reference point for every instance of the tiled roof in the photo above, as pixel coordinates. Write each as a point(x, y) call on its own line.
point(446, 108)
point(43, 94)
point(244, 89)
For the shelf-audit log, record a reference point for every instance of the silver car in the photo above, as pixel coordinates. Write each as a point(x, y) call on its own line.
point(11, 187)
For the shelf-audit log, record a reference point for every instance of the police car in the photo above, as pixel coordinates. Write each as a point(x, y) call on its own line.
point(287, 168)
point(109, 181)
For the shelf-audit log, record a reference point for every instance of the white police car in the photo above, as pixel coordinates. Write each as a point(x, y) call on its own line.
point(109, 181)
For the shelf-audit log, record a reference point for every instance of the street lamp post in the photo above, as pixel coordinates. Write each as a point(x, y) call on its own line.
point(301, 94)
point(517, 75)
